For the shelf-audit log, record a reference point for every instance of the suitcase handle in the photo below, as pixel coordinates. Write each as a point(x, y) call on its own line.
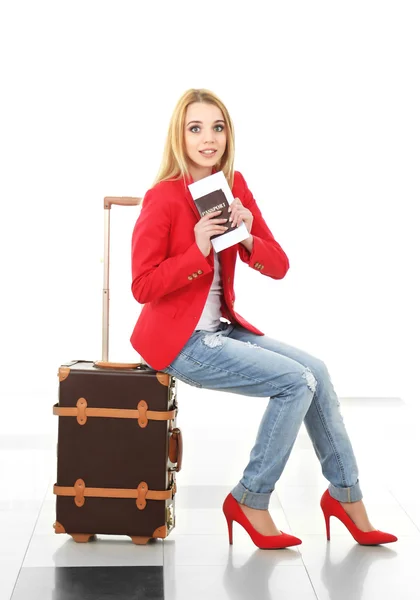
point(176, 448)
point(108, 202)
point(113, 365)
point(121, 201)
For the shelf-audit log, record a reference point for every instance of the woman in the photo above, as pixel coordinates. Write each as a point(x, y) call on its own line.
point(186, 289)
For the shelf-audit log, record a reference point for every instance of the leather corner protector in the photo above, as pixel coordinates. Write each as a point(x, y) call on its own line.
point(161, 532)
point(59, 528)
point(63, 373)
point(163, 378)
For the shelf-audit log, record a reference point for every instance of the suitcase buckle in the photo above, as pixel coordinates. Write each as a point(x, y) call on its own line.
point(142, 490)
point(142, 407)
point(81, 405)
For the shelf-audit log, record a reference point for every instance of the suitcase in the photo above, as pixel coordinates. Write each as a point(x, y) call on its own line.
point(118, 445)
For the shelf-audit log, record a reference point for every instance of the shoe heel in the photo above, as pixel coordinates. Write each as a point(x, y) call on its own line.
point(327, 525)
point(230, 530)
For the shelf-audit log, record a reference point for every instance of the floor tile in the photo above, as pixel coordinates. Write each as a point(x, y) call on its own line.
point(111, 550)
point(344, 570)
point(9, 573)
point(201, 550)
point(16, 528)
point(255, 580)
point(89, 583)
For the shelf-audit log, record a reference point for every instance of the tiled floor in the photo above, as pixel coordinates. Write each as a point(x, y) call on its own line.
point(196, 562)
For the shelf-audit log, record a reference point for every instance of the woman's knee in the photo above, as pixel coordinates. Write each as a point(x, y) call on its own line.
point(319, 369)
point(303, 380)
point(310, 379)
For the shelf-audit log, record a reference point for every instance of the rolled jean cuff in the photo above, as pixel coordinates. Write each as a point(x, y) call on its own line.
point(251, 499)
point(346, 494)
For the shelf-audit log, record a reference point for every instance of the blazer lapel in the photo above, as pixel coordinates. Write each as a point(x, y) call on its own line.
point(191, 202)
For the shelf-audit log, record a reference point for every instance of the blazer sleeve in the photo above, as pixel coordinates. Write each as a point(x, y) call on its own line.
point(267, 256)
point(154, 273)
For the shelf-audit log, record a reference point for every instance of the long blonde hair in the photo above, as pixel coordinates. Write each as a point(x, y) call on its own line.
point(174, 161)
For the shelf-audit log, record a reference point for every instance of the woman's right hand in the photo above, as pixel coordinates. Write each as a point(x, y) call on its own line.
point(206, 227)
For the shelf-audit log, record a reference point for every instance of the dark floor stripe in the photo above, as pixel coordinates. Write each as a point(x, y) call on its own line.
point(89, 583)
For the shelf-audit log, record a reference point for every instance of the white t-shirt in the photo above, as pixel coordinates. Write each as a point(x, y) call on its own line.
point(210, 317)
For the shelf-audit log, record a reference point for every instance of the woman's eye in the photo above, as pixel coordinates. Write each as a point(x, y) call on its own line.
point(219, 128)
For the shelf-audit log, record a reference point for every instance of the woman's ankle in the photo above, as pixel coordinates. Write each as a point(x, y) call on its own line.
point(357, 513)
point(261, 520)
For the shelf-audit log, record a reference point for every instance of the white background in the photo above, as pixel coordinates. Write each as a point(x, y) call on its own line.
point(325, 100)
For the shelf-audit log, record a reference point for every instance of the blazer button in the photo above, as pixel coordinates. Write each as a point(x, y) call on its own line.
point(190, 277)
point(195, 275)
point(200, 272)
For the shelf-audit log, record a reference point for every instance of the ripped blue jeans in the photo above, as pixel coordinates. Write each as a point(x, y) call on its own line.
point(235, 360)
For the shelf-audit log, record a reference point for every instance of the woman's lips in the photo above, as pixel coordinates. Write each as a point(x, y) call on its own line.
point(208, 154)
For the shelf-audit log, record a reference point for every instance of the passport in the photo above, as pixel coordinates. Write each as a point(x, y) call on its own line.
point(211, 192)
point(212, 202)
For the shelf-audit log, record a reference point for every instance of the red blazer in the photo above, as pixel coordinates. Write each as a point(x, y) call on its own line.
point(172, 278)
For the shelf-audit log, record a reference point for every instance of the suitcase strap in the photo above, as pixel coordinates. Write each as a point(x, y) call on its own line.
point(142, 414)
point(141, 494)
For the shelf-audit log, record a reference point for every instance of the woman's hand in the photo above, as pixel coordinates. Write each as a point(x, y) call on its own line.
point(240, 214)
point(206, 227)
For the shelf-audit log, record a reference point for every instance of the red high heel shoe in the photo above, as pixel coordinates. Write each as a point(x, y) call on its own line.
point(233, 512)
point(332, 508)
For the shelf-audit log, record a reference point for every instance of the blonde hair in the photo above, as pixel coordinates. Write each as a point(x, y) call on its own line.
point(174, 161)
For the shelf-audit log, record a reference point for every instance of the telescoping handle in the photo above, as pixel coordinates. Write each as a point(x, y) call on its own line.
point(108, 202)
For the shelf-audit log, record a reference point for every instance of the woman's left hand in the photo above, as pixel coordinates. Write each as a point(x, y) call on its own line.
point(240, 214)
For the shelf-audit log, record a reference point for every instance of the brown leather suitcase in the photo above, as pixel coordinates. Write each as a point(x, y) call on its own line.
point(118, 445)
